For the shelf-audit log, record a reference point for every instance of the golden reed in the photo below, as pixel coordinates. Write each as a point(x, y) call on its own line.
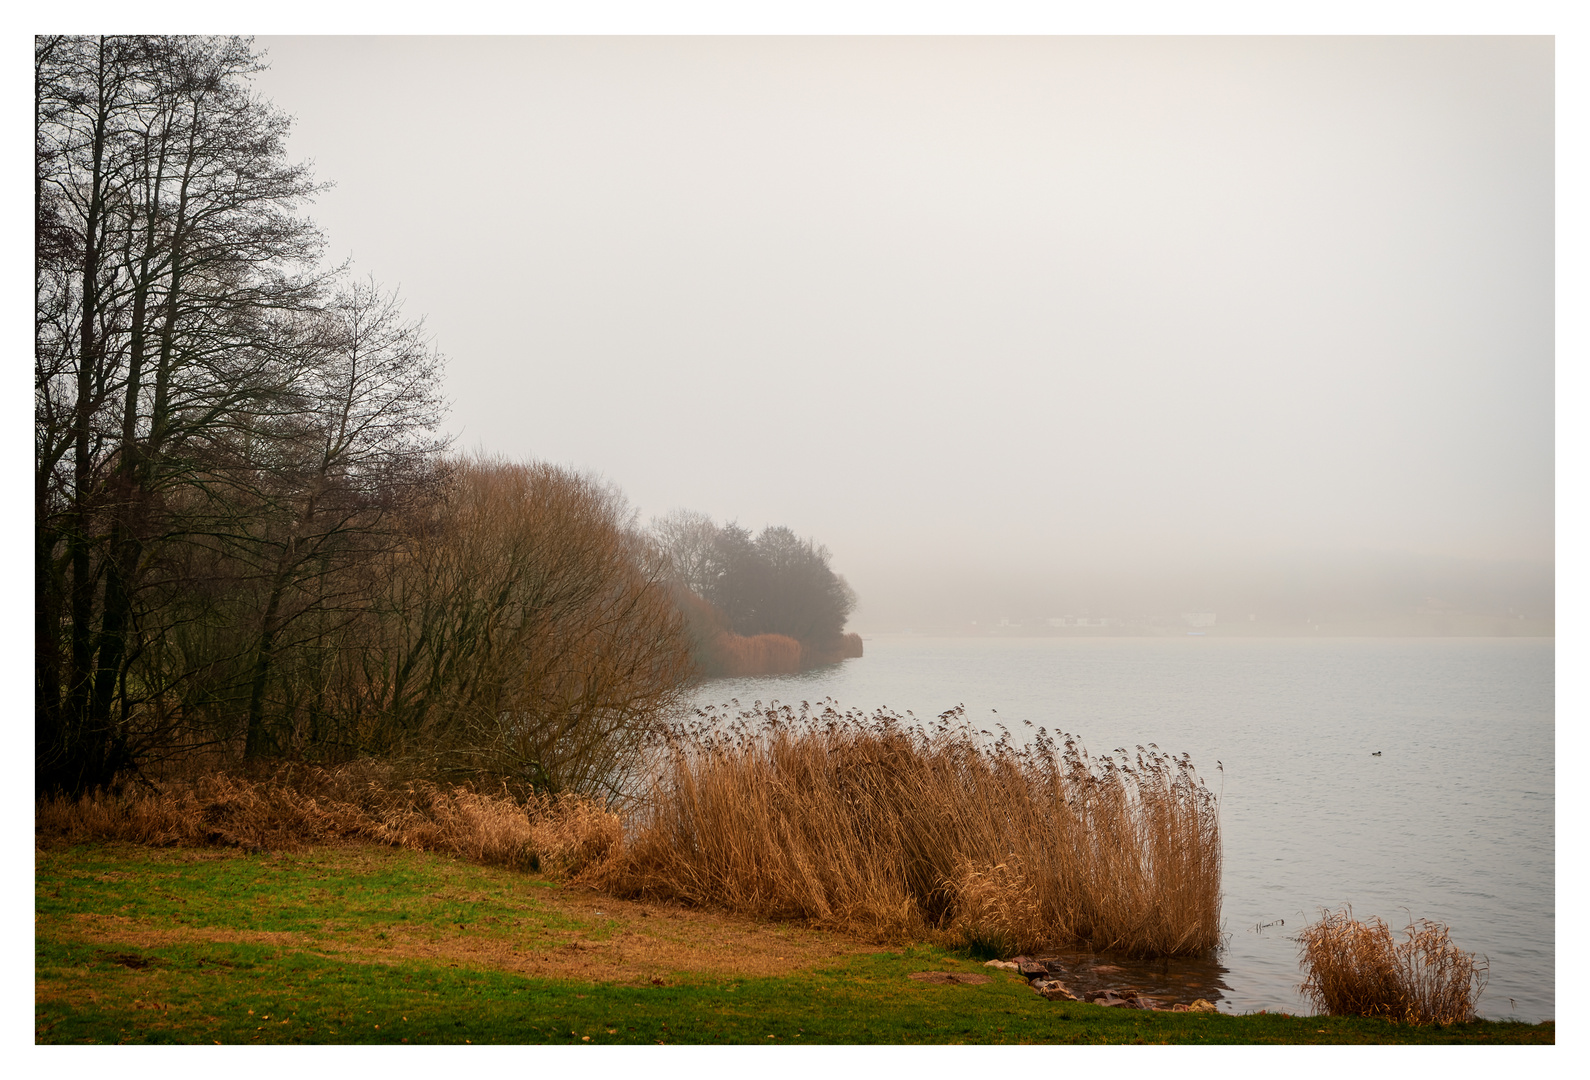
point(881, 826)
point(1354, 968)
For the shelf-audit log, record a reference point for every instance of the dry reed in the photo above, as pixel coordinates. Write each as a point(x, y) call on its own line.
point(831, 651)
point(877, 824)
point(1358, 969)
point(561, 834)
point(731, 654)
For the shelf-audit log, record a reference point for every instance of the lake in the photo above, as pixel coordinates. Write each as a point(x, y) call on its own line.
point(1453, 822)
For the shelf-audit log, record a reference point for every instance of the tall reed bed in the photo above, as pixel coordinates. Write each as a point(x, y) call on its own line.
point(728, 653)
point(560, 834)
point(1354, 968)
point(879, 824)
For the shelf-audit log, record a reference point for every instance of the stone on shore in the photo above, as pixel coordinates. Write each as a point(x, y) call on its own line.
point(1053, 989)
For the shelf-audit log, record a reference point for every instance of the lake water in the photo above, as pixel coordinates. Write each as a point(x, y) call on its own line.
point(1454, 822)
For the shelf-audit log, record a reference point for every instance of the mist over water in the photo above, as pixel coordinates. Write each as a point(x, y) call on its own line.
point(1154, 310)
point(1453, 822)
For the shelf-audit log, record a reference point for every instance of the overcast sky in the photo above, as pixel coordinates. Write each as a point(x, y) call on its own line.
point(969, 306)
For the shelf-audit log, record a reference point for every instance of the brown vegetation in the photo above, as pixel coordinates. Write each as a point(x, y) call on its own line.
point(524, 632)
point(719, 652)
point(764, 654)
point(831, 650)
point(864, 824)
point(249, 546)
point(763, 605)
point(876, 825)
point(367, 801)
point(1359, 969)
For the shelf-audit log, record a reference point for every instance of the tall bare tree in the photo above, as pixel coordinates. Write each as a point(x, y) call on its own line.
point(170, 256)
point(359, 453)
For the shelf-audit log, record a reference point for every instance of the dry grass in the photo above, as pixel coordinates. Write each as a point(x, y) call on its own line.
point(562, 834)
point(1358, 969)
point(874, 824)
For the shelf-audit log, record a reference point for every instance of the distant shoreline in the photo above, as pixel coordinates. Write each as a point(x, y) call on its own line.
point(1530, 629)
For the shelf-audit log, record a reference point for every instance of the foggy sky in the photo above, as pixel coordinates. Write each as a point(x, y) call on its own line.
point(979, 309)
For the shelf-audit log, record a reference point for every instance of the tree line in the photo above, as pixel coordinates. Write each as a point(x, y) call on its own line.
point(251, 542)
point(756, 604)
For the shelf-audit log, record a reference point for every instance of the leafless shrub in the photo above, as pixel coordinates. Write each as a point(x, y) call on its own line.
point(1354, 968)
point(525, 633)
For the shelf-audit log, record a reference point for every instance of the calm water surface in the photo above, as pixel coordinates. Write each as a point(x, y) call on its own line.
point(1453, 822)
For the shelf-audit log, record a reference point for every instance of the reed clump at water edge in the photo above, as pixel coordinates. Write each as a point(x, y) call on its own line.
point(877, 824)
point(1354, 968)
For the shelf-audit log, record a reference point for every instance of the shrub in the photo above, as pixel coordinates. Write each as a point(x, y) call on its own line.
point(525, 633)
point(1358, 969)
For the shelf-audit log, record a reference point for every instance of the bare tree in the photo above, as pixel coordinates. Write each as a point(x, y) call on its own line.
point(171, 252)
point(529, 632)
point(689, 539)
point(358, 452)
point(246, 535)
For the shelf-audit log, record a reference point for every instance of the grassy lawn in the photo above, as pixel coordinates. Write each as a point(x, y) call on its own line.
point(370, 945)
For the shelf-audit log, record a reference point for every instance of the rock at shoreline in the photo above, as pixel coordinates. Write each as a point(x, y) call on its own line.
point(1053, 989)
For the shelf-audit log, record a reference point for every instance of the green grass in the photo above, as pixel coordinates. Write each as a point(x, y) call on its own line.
point(303, 965)
point(322, 893)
